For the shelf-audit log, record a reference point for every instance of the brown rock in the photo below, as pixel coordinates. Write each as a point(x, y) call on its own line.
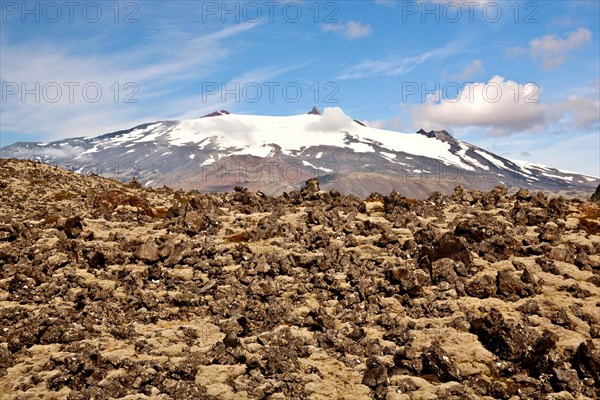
point(231, 340)
point(508, 340)
point(523, 195)
point(96, 259)
point(533, 283)
point(561, 318)
point(509, 285)
point(549, 233)
point(587, 360)
point(447, 246)
point(437, 361)
point(482, 287)
point(443, 270)
point(530, 307)
point(147, 252)
point(398, 274)
point(375, 376)
point(312, 185)
point(72, 227)
point(565, 379)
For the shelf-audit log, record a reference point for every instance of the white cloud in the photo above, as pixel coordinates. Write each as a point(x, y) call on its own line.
point(350, 30)
point(562, 134)
point(333, 119)
point(501, 105)
point(504, 107)
point(550, 50)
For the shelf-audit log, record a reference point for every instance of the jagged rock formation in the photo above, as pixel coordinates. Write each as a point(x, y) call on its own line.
point(111, 290)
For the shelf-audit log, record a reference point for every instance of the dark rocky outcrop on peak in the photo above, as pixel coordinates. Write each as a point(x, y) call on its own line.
point(441, 135)
point(112, 290)
point(216, 114)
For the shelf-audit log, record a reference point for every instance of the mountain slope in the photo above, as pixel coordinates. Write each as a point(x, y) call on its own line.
point(273, 154)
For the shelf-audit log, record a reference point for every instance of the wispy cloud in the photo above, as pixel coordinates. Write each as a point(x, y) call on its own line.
point(470, 70)
point(393, 66)
point(552, 50)
point(220, 98)
point(161, 67)
point(350, 30)
point(580, 111)
point(387, 3)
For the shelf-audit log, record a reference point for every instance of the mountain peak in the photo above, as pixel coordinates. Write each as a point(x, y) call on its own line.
point(216, 114)
point(200, 153)
point(314, 111)
point(442, 135)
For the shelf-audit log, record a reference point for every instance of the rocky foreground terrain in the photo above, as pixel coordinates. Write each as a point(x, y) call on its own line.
point(110, 290)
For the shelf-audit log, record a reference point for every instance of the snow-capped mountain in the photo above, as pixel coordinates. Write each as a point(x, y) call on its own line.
point(220, 150)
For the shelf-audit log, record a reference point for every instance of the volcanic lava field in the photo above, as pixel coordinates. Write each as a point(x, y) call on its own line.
point(109, 290)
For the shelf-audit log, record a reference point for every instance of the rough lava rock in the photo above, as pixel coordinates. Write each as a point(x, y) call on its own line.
point(113, 290)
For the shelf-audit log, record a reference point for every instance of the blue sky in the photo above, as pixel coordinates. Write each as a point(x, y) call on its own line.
point(520, 79)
